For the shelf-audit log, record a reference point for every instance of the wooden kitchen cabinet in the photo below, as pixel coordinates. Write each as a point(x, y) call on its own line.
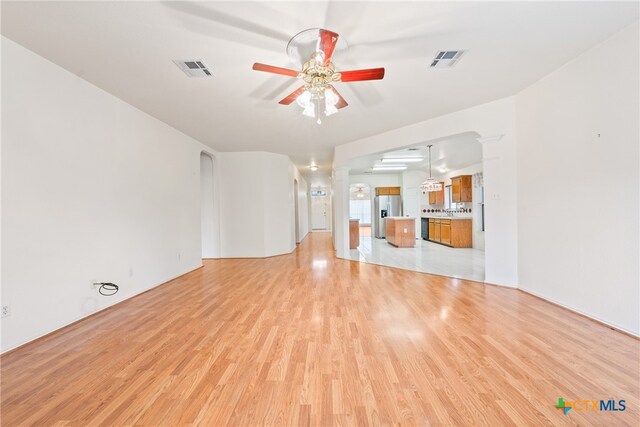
point(437, 197)
point(436, 232)
point(387, 191)
point(455, 233)
point(445, 232)
point(461, 189)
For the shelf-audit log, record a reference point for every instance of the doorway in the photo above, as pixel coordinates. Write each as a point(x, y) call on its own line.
point(209, 223)
point(319, 209)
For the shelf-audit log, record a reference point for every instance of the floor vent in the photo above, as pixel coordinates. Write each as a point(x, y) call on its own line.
point(194, 68)
point(447, 58)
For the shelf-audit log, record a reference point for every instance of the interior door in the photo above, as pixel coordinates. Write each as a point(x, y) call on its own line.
point(319, 207)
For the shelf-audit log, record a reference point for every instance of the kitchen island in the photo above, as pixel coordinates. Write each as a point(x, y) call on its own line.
point(401, 231)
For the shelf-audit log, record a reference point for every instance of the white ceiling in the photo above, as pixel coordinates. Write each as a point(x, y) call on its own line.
point(127, 48)
point(446, 155)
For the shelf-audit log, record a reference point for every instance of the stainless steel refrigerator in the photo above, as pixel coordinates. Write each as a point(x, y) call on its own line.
point(384, 206)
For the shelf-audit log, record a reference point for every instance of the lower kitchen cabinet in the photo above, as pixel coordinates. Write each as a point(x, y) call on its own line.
point(451, 232)
point(445, 233)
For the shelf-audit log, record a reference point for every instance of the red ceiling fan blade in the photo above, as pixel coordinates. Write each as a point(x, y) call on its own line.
point(276, 70)
point(359, 75)
point(292, 96)
point(327, 44)
point(341, 101)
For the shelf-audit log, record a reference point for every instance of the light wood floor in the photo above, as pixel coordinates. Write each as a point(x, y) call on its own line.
point(307, 339)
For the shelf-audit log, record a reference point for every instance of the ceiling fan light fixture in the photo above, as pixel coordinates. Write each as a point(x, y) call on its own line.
point(330, 101)
point(309, 111)
point(329, 110)
point(304, 99)
point(315, 48)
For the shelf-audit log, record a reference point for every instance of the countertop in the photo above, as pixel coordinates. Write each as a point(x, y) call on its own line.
point(401, 217)
point(447, 217)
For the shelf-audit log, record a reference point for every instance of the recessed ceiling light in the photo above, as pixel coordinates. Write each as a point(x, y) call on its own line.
point(402, 159)
point(313, 167)
point(390, 168)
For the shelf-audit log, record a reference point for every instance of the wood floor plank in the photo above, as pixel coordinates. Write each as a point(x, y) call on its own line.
point(307, 339)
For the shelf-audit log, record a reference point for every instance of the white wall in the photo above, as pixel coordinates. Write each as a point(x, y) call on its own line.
point(577, 191)
point(92, 189)
point(95, 190)
point(257, 205)
point(377, 180)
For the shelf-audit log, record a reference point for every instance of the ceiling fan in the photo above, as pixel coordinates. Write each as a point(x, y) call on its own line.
point(316, 47)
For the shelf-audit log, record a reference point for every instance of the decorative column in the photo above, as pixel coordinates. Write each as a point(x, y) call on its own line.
point(500, 209)
point(340, 204)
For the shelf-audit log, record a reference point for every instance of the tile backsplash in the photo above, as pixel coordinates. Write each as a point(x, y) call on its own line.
point(433, 210)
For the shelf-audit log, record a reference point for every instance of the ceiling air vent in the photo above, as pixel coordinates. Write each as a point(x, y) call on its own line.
point(447, 58)
point(194, 68)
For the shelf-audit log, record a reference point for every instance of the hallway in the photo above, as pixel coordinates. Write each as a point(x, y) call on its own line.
point(307, 339)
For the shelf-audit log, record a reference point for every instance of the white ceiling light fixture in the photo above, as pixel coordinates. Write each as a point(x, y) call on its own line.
point(312, 99)
point(390, 168)
point(402, 159)
point(313, 167)
point(430, 184)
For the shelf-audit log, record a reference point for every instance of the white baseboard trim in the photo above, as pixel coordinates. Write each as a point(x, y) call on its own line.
point(582, 313)
point(80, 318)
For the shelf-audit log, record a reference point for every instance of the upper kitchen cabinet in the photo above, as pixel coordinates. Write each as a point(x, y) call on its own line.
point(387, 191)
point(437, 197)
point(461, 189)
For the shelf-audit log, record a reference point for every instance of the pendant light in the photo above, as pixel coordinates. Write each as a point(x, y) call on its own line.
point(430, 184)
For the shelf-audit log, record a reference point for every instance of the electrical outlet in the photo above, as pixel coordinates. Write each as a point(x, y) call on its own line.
point(179, 256)
point(6, 310)
point(131, 272)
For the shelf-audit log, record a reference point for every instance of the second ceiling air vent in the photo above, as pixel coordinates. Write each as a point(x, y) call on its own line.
point(193, 68)
point(447, 58)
